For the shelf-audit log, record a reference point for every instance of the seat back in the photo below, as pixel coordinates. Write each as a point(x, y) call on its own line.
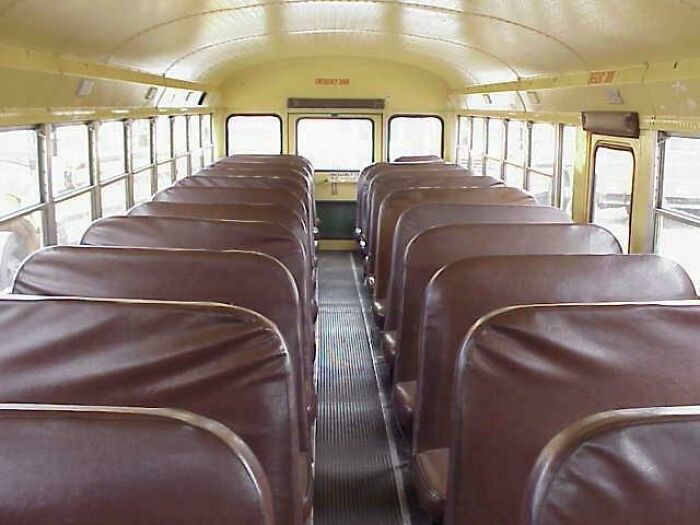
point(575, 473)
point(231, 212)
point(276, 197)
point(224, 180)
point(527, 372)
point(419, 158)
point(384, 185)
point(421, 218)
point(399, 201)
point(129, 465)
point(163, 232)
point(221, 362)
point(443, 246)
point(248, 279)
point(463, 292)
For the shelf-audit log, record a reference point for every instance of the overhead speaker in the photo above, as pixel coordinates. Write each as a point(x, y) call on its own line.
point(612, 123)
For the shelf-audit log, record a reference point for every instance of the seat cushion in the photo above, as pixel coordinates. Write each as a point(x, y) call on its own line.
point(404, 401)
point(379, 311)
point(389, 346)
point(430, 471)
point(306, 484)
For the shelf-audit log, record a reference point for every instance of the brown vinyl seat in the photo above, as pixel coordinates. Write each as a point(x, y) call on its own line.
point(263, 237)
point(247, 279)
point(385, 185)
point(109, 465)
point(441, 246)
point(278, 197)
point(298, 175)
point(365, 181)
point(378, 183)
point(397, 202)
point(619, 467)
point(419, 158)
point(221, 362)
point(463, 292)
point(525, 373)
point(230, 212)
point(421, 218)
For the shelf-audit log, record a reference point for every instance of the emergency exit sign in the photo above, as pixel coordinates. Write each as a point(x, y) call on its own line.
point(324, 81)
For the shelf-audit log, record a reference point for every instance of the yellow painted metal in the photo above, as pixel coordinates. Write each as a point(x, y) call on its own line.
point(47, 62)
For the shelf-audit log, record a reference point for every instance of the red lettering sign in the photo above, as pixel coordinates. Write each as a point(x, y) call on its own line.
point(601, 77)
point(332, 82)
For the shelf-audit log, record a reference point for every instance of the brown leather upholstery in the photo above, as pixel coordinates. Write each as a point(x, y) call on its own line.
point(282, 198)
point(421, 218)
point(385, 185)
point(439, 247)
point(161, 232)
point(246, 279)
point(399, 201)
point(619, 467)
point(366, 220)
point(419, 158)
point(528, 372)
point(88, 465)
point(294, 173)
point(221, 362)
point(268, 160)
point(365, 181)
point(238, 212)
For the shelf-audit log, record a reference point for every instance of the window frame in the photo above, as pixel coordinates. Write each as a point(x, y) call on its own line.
point(413, 115)
point(232, 115)
point(343, 117)
point(591, 204)
point(504, 146)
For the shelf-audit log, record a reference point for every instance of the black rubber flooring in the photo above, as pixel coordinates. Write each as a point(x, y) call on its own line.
point(360, 456)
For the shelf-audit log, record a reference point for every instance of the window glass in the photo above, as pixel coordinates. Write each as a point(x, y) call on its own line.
point(142, 186)
point(543, 148)
point(336, 143)
point(140, 144)
point(180, 134)
point(261, 134)
point(612, 195)
point(517, 141)
point(567, 168)
point(165, 175)
point(464, 140)
point(496, 135)
point(493, 168)
point(182, 167)
point(114, 198)
point(70, 159)
point(196, 161)
point(73, 216)
point(19, 170)
point(679, 240)
point(208, 156)
point(18, 239)
point(194, 137)
point(515, 176)
point(478, 139)
point(163, 145)
point(206, 130)
point(681, 179)
point(541, 188)
point(111, 152)
point(415, 136)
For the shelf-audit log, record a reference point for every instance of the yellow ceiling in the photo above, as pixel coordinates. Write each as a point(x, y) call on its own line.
point(464, 42)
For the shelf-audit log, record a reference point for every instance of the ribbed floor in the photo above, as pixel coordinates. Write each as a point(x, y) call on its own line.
point(355, 464)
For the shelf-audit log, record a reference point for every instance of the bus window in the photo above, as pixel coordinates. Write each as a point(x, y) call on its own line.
point(19, 173)
point(260, 134)
point(70, 160)
point(180, 134)
point(19, 237)
point(568, 156)
point(415, 135)
point(612, 191)
point(542, 154)
point(140, 144)
point(73, 216)
point(111, 150)
point(677, 212)
point(496, 139)
point(114, 198)
point(464, 132)
point(336, 144)
point(478, 145)
point(516, 154)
